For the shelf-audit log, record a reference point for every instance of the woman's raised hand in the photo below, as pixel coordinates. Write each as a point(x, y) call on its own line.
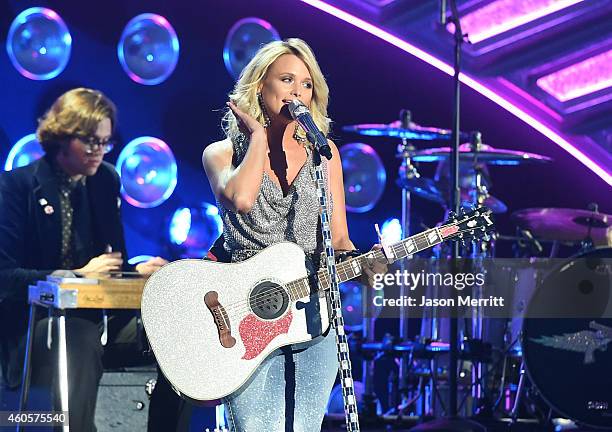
point(247, 124)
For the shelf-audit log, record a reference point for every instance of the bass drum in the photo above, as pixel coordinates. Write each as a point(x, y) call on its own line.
point(567, 339)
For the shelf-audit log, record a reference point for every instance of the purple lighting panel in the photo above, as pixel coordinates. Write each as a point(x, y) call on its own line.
point(562, 142)
point(503, 15)
point(579, 79)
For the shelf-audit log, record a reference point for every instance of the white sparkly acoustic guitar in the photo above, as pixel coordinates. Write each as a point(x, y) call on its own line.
point(211, 324)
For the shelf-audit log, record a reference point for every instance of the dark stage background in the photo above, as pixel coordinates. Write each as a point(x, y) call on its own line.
point(370, 81)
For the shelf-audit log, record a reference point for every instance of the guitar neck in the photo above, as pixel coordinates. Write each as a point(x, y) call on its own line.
point(353, 267)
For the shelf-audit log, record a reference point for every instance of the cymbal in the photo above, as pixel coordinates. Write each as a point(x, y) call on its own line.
point(486, 154)
point(438, 192)
point(423, 187)
point(394, 129)
point(564, 224)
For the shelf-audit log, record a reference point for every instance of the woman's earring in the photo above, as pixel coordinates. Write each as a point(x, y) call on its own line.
point(296, 135)
point(262, 106)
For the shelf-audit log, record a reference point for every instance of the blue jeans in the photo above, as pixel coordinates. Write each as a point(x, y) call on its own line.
point(288, 392)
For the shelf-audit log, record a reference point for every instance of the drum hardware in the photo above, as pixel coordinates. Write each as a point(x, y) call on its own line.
point(567, 358)
point(565, 225)
point(402, 129)
point(408, 131)
point(406, 171)
point(475, 157)
point(437, 191)
point(481, 153)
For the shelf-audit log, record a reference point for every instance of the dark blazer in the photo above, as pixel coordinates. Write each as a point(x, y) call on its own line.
point(30, 232)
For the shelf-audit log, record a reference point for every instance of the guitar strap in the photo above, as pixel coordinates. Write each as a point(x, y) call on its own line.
point(342, 347)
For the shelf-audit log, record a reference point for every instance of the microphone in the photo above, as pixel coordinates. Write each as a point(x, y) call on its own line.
point(301, 114)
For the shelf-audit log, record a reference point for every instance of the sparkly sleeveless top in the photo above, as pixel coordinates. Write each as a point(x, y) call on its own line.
point(276, 217)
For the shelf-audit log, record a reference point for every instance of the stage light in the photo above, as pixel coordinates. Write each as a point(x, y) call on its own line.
point(148, 49)
point(501, 16)
point(352, 309)
point(562, 141)
point(138, 259)
point(38, 43)
point(392, 230)
point(24, 152)
point(193, 230)
point(242, 42)
point(364, 177)
point(148, 172)
point(579, 79)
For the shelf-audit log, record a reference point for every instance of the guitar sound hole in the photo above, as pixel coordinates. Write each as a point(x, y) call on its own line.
point(268, 300)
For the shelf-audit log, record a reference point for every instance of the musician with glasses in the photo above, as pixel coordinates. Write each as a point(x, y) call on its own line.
point(60, 215)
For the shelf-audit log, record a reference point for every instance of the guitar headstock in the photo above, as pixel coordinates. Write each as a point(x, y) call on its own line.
point(475, 224)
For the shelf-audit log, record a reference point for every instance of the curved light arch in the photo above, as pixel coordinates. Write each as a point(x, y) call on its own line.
point(467, 80)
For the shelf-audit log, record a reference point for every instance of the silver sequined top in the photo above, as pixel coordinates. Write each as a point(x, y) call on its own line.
point(276, 217)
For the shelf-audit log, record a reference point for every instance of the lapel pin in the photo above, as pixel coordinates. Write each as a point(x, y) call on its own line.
point(48, 209)
point(42, 202)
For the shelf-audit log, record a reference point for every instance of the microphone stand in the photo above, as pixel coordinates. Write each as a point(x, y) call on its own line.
point(349, 398)
point(455, 204)
point(453, 422)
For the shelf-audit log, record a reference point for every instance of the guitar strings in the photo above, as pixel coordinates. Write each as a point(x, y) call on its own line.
point(242, 307)
point(246, 306)
point(258, 300)
point(293, 288)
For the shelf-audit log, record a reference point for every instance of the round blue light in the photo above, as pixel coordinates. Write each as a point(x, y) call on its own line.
point(392, 230)
point(180, 224)
point(39, 43)
point(148, 49)
point(193, 230)
point(244, 40)
point(24, 152)
point(148, 172)
point(364, 177)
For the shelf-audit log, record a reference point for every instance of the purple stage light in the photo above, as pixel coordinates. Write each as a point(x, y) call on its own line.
point(148, 49)
point(243, 41)
point(148, 172)
point(588, 76)
point(467, 80)
point(39, 43)
point(502, 15)
point(24, 152)
point(364, 177)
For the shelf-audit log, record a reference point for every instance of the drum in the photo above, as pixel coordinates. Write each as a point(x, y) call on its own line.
point(567, 335)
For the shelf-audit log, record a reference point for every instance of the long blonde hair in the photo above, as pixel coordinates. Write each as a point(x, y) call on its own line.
point(244, 94)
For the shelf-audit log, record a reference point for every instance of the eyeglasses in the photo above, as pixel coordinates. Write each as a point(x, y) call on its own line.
point(93, 143)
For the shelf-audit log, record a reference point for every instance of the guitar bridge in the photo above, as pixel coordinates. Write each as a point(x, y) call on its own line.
point(211, 299)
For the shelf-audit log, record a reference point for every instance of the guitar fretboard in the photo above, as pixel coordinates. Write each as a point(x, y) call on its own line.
point(353, 267)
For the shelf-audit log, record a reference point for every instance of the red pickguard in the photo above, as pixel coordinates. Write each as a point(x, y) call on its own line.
point(256, 334)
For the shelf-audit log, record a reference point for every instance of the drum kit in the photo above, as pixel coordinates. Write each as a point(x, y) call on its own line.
point(538, 365)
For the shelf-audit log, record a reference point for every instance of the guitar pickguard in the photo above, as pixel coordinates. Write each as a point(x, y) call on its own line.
point(256, 334)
